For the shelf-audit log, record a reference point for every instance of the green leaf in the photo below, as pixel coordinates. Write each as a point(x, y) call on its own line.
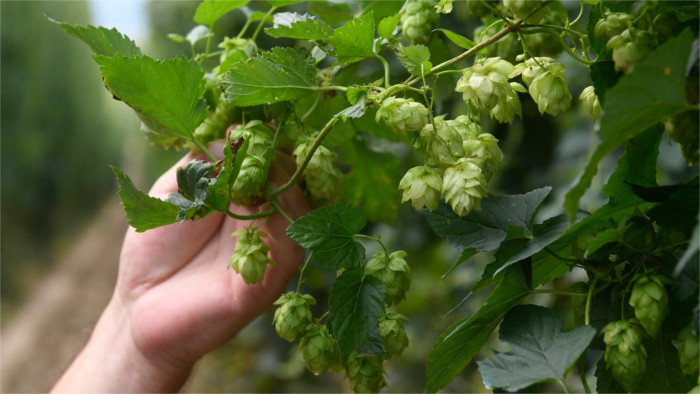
point(354, 111)
point(332, 12)
point(209, 11)
point(144, 212)
point(540, 350)
point(416, 59)
point(300, 27)
point(355, 40)
point(466, 254)
point(356, 302)
point(193, 183)
point(485, 230)
point(373, 182)
point(459, 40)
point(459, 343)
point(102, 41)
point(387, 25)
point(373, 345)
point(642, 98)
point(278, 75)
point(329, 233)
point(168, 92)
point(663, 374)
point(198, 33)
point(678, 209)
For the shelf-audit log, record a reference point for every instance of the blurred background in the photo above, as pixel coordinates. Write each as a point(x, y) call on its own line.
point(62, 224)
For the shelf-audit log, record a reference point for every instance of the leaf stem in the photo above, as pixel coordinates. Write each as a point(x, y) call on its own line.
point(563, 385)
point(312, 109)
point(204, 149)
point(244, 28)
point(376, 240)
point(582, 371)
point(589, 299)
point(301, 272)
point(387, 74)
point(249, 217)
point(279, 209)
point(297, 174)
point(262, 23)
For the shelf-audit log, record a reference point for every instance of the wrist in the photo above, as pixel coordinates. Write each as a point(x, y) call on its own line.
point(111, 361)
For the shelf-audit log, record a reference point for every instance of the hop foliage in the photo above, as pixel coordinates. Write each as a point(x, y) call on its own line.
point(625, 355)
point(394, 272)
point(418, 21)
point(293, 315)
point(319, 350)
point(250, 256)
point(650, 302)
point(365, 373)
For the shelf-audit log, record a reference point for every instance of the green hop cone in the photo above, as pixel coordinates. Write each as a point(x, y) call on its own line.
point(691, 152)
point(255, 166)
point(442, 143)
point(484, 148)
point(293, 315)
point(422, 185)
point(611, 25)
point(625, 354)
point(464, 185)
point(321, 174)
point(403, 116)
point(418, 21)
point(630, 47)
point(250, 256)
point(365, 373)
point(393, 332)
point(394, 272)
point(230, 45)
point(684, 127)
point(319, 350)
point(589, 102)
point(550, 90)
point(689, 350)
point(485, 84)
point(530, 10)
point(650, 302)
point(531, 68)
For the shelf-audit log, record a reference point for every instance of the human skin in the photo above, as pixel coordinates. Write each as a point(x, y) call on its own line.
point(175, 299)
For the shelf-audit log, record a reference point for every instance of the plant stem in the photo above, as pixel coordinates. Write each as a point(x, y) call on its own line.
point(563, 385)
point(297, 174)
point(387, 82)
point(249, 217)
point(311, 110)
point(206, 151)
point(262, 23)
point(279, 209)
point(589, 298)
point(582, 371)
point(376, 240)
point(301, 273)
point(244, 28)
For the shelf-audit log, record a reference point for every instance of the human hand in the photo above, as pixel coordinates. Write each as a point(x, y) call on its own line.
point(175, 300)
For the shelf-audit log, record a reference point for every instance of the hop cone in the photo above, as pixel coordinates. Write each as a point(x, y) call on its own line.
point(394, 272)
point(625, 354)
point(254, 168)
point(321, 174)
point(688, 351)
point(590, 102)
point(529, 10)
point(319, 350)
point(550, 90)
point(683, 127)
point(442, 143)
point(365, 373)
point(485, 84)
point(650, 302)
point(484, 148)
point(250, 256)
point(403, 116)
point(611, 25)
point(531, 68)
point(464, 185)
point(630, 47)
point(418, 21)
point(393, 332)
point(293, 315)
point(422, 186)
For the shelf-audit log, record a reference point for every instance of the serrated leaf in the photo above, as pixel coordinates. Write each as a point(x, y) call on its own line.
point(540, 350)
point(209, 11)
point(356, 302)
point(466, 254)
point(102, 41)
point(278, 75)
point(485, 230)
point(143, 211)
point(193, 183)
point(642, 98)
point(372, 184)
point(387, 25)
point(373, 345)
point(332, 12)
point(168, 92)
point(329, 233)
point(459, 343)
point(354, 111)
point(459, 40)
point(355, 40)
point(298, 26)
point(416, 59)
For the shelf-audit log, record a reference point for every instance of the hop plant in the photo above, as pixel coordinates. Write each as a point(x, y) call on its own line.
point(293, 315)
point(589, 101)
point(550, 90)
point(650, 301)
point(319, 350)
point(530, 10)
point(464, 185)
point(422, 186)
point(403, 116)
point(630, 47)
point(484, 148)
point(625, 354)
point(611, 25)
point(442, 143)
point(485, 83)
point(689, 351)
point(365, 373)
point(393, 332)
point(418, 21)
point(321, 174)
point(250, 256)
point(394, 272)
point(255, 166)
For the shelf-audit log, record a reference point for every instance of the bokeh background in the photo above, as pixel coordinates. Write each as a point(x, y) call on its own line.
point(62, 225)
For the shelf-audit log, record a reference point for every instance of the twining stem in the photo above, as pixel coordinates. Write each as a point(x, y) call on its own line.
point(386, 70)
point(297, 174)
point(262, 23)
point(376, 240)
point(279, 209)
point(589, 299)
point(244, 28)
point(206, 151)
point(249, 217)
point(301, 273)
point(582, 371)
